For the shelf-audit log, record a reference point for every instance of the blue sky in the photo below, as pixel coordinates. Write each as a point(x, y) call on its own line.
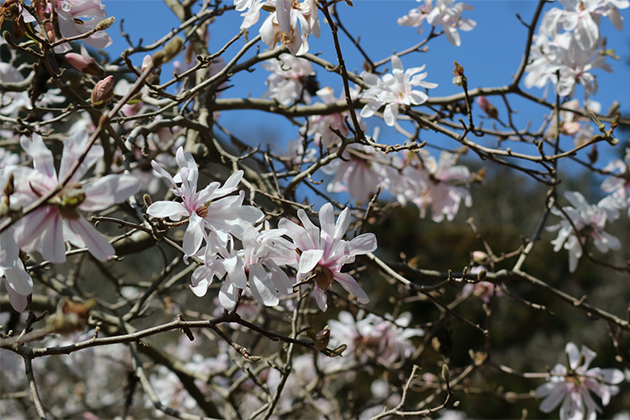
point(490, 54)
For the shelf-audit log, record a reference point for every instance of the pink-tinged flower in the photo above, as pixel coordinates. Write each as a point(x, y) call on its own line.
point(211, 208)
point(323, 253)
point(416, 16)
point(487, 107)
point(572, 124)
point(441, 185)
point(321, 126)
point(47, 228)
point(483, 289)
point(589, 221)
point(449, 15)
point(618, 186)
point(72, 15)
point(374, 338)
point(360, 172)
point(570, 385)
point(287, 83)
point(103, 91)
point(394, 90)
point(83, 62)
point(257, 265)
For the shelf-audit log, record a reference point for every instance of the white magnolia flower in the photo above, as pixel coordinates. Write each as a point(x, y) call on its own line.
point(393, 90)
point(571, 385)
point(323, 253)
point(211, 208)
point(589, 221)
point(287, 83)
point(257, 265)
point(449, 15)
point(372, 337)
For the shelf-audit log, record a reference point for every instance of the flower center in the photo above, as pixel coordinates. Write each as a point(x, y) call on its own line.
point(323, 277)
point(68, 199)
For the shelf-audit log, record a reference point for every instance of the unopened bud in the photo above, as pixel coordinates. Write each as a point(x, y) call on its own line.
point(147, 200)
point(487, 107)
point(145, 62)
point(9, 188)
point(322, 338)
point(479, 257)
point(105, 23)
point(169, 52)
point(103, 91)
point(446, 373)
point(83, 62)
point(614, 108)
point(458, 81)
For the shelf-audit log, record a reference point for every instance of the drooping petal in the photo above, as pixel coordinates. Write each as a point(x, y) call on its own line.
point(351, 285)
point(95, 242)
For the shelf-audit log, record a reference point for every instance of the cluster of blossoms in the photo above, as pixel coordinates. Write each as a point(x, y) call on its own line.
point(571, 385)
point(216, 217)
point(289, 23)
point(445, 13)
point(572, 54)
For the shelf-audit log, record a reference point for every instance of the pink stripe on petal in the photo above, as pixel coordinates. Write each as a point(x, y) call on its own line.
point(96, 243)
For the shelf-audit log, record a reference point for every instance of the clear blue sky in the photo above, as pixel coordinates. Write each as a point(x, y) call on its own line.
point(490, 53)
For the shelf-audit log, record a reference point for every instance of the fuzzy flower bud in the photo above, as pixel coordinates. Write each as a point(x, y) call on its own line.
point(322, 338)
point(479, 257)
point(103, 91)
point(83, 62)
point(169, 52)
point(487, 107)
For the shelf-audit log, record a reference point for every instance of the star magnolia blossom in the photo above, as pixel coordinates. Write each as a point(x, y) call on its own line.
point(47, 228)
point(449, 15)
point(288, 79)
point(582, 18)
point(393, 90)
point(589, 221)
point(441, 185)
point(372, 337)
point(257, 265)
point(323, 253)
point(570, 386)
point(360, 172)
point(209, 208)
point(416, 16)
point(321, 126)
